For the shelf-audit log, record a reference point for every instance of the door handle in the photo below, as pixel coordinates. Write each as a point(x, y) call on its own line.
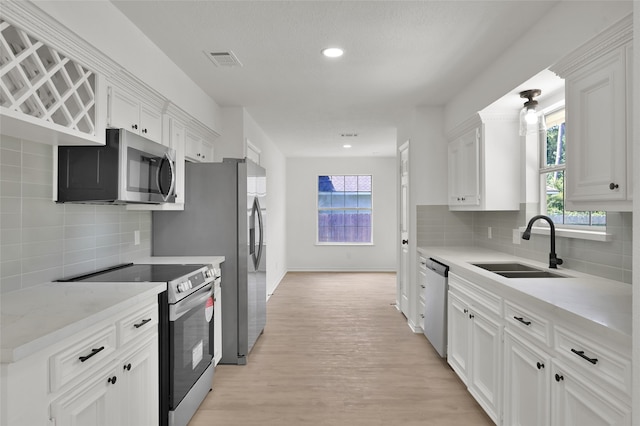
point(405, 241)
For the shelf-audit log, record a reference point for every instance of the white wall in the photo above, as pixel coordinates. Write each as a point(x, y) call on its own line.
point(303, 252)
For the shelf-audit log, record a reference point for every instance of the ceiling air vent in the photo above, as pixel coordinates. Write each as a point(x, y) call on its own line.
point(349, 135)
point(224, 59)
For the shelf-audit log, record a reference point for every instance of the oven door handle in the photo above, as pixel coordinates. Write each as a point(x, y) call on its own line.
point(192, 301)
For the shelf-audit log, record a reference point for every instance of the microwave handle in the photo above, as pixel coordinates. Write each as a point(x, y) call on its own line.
point(173, 177)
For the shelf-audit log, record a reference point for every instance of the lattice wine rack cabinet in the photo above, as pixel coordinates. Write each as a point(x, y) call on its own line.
point(39, 81)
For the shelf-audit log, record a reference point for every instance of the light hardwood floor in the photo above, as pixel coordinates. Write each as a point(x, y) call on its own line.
point(336, 351)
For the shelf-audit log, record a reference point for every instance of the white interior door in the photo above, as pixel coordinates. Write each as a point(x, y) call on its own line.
point(403, 271)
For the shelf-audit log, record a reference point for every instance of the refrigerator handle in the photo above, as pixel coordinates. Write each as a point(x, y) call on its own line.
point(261, 235)
point(252, 230)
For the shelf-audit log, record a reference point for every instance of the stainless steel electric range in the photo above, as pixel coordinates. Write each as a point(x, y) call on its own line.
point(185, 331)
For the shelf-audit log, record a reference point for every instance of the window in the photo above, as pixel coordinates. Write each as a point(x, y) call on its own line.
point(344, 209)
point(552, 168)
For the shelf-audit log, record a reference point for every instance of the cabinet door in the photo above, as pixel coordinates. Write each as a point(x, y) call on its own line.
point(485, 362)
point(470, 168)
point(458, 335)
point(139, 390)
point(421, 285)
point(574, 402)
point(93, 405)
point(464, 170)
point(123, 111)
point(150, 123)
point(596, 131)
point(192, 143)
point(526, 383)
point(206, 151)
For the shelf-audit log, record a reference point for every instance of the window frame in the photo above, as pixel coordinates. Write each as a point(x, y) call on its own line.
point(370, 209)
point(592, 232)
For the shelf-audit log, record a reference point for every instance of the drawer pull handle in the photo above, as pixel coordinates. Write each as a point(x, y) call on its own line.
point(522, 320)
point(583, 356)
point(112, 380)
point(143, 322)
point(127, 367)
point(559, 377)
point(93, 352)
point(539, 365)
point(466, 311)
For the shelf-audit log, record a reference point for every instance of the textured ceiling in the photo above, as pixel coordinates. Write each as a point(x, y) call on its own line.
point(398, 55)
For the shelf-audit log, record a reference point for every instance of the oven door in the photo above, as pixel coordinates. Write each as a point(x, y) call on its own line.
point(190, 321)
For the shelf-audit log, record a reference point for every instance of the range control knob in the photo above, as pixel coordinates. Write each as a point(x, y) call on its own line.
point(181, 287)
point(189, 285)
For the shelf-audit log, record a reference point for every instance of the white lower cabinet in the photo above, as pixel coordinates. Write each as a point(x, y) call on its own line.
point(577, 402)
point(485, 362)
point(526, 383)
point(139, 400)
point(458, 335)
point(527, 365)
point(95, 404)
point(475, 344)
point(105, 375)
point(119, 394)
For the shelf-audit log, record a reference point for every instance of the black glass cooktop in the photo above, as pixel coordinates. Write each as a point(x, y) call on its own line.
point(138, 273)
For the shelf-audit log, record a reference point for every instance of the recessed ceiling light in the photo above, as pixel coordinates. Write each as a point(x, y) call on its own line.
point(332, 52)
point(346, 146)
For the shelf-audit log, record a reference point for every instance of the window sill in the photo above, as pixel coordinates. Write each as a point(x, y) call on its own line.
point(580, 234)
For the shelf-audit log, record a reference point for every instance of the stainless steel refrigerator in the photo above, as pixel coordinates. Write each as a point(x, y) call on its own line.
point(224, 215)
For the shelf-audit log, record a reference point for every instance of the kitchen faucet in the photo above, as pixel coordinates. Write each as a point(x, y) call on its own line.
point(554, 261)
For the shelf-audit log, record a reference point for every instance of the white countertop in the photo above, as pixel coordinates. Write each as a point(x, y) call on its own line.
point(605, 302)
point(181, 260)
point(34, 318)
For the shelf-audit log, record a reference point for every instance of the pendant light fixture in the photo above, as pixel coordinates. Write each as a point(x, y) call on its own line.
point(528, 114)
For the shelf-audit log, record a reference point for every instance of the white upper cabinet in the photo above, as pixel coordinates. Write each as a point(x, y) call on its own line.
point(45, 96)
point(598, 121)
point(197, 148)
point(131, 113)
point(483, 165)
point(464, 166)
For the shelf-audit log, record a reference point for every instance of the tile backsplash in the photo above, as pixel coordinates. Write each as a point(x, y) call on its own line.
point(437, 226)
point(41, 241)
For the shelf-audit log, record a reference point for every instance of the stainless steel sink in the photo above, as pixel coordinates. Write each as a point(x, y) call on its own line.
point(505, 267)
point(517, 270)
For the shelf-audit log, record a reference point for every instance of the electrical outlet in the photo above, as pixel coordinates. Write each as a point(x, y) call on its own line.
point(516, 236)
point(136, 238)
point(489, 233)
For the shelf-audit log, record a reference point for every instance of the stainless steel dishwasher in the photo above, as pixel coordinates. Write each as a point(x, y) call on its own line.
point(435, 305)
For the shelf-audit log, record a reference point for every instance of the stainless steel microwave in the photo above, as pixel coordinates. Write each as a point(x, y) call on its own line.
point(127, 169)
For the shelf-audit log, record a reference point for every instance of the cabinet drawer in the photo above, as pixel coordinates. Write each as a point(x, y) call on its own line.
point(527, 322)
point(593, 358)
point(81, 356)
point(137, 324)
point(478, 297)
